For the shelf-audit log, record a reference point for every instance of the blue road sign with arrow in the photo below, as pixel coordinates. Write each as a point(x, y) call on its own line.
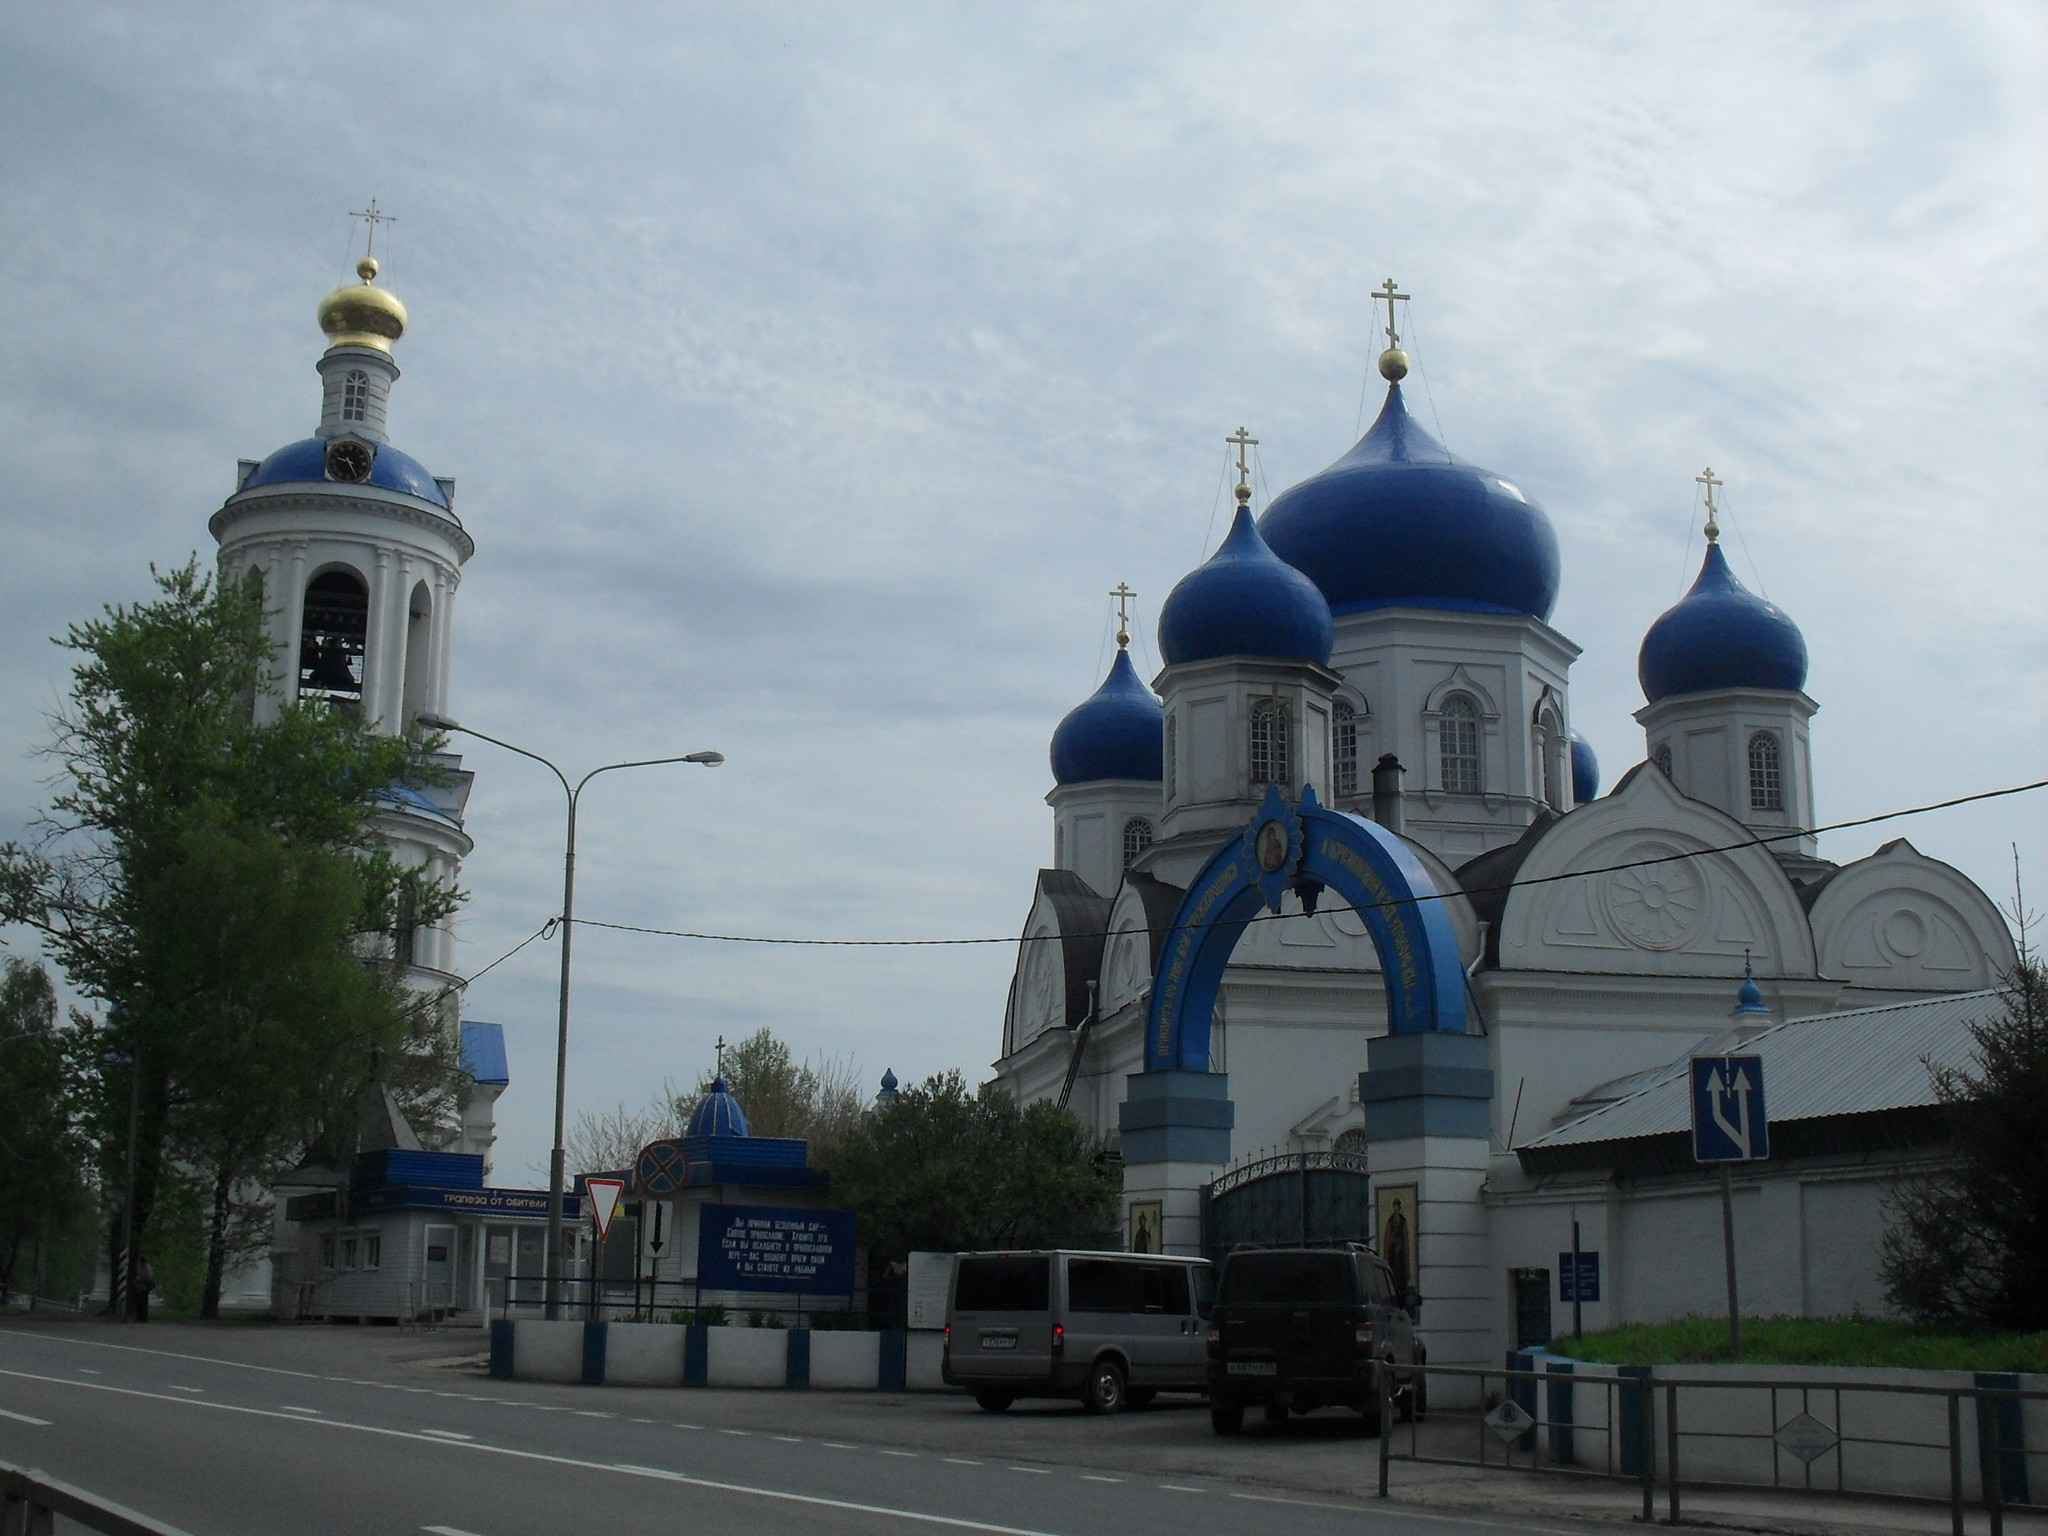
point(1728, 1120)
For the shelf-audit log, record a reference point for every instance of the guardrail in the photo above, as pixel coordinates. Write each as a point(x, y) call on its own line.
point(31, 1501)
point(1630, 1425)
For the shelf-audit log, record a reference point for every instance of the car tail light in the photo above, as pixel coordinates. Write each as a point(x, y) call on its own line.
point(1364, 1336)
point(1215, 1341)
point(1059, 1339)
point(946, 1345)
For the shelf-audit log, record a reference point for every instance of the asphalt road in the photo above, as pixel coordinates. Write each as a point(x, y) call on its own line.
point(195, 1429)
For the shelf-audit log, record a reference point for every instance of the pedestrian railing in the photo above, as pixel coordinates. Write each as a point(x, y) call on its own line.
point(580, 1298)
point(1964, 1446)
point(31, 1501)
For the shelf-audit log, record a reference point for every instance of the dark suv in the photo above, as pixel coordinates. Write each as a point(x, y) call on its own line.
point(1296, 1329)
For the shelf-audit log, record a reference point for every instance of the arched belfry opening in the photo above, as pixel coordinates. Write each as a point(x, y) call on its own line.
point(333, 635)
point(419, 652)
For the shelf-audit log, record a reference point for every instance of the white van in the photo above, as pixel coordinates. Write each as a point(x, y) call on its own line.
point(1108, 1328)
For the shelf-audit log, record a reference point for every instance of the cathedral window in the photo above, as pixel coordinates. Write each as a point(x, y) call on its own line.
point(1269, 742)
point(1766, 779)
point(1343, 749)
point(355, 396)
point(333, 633)
point(1137, 838)
point(1458, 745)
point(1172, 755)
point(1662, 758)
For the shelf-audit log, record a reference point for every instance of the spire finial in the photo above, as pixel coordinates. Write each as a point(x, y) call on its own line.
point(1243, 440)
point(1393, 361)
point(1123, 594)
point(372, 217)
point(1707, 478)
point(719, 1070)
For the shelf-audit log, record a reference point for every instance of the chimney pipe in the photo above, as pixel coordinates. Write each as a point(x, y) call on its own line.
point(1386, 792)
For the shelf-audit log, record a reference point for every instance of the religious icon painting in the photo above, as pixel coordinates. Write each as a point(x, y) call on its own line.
point(1146, 1220)
point(1394, 1226)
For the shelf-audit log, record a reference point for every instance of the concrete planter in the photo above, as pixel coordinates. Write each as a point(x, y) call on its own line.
point(746, 1357)
point(846, 1361)
point(643, 1355)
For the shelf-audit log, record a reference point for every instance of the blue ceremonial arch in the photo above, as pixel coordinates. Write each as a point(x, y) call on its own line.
point(1308, 849)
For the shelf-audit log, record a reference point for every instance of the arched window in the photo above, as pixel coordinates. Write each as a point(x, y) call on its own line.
point(1662, 758)
point(1137, 838)
point(1343, 749)
point(1549, 745)
point(332, 635)
point(1766, 781)
point(355, 396)
point(1172, 755)
point(1269, 742)
point(1458, 745)
point(1351, 1143)
point(1059, 847)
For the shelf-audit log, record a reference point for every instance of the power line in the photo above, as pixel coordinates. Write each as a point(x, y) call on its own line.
point(1479, 890)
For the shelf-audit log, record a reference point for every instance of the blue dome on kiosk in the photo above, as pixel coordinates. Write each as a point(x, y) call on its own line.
point(718, 1113)
point(1720, 635)
point(1115, 733)
point(1244, 600)
point(1399, 522)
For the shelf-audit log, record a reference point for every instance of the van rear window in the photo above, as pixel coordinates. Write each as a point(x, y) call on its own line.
point(1286, 1279)
point(1003, 1285)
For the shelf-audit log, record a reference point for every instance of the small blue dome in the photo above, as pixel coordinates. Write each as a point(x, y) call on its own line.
point(1720, 635)
point(1585, 771)
point(1399, 522)
point(1749, 997)
point(1114, 733)
point(307, 460)
point(888, 1083)
point(718, 1113)
point(1244, 600)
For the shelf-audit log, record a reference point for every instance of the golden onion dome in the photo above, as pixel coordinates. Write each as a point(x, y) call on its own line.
point(362, 316)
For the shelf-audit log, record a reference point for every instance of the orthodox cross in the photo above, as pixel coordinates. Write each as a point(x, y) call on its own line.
point(373, 218)
point(719, 1071)
point(1123, 594)
point(1243, 440)
point(1707, 478)
point(1386, 291)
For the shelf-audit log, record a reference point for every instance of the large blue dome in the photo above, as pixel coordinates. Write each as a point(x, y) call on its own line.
point(1244, 600)
point(718, 1113)
point(1720, 635)
point(1114, 733)
point(1399, 522)
point(1585, 771)
point(307, 460)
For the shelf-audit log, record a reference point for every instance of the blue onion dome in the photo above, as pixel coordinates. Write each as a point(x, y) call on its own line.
point(1399, 522)
point(1585, 771)
point(1720, 635)
point(1749, 997)
point(1244, 600)
point(307, 460)
point(1114, 733)
point(888, 1084)
point(718, 1113)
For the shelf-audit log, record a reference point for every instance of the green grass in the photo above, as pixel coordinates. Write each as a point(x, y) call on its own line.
point(1857, 1341)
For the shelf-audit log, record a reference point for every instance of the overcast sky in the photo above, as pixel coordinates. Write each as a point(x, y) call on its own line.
point(810, 372)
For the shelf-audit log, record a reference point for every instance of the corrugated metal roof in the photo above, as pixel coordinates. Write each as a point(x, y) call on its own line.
point(1859, 1061)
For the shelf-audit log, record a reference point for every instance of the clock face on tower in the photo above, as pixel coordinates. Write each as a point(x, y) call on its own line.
point(349, 460)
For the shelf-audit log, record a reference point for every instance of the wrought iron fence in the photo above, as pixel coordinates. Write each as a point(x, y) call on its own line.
point(1954, 1445)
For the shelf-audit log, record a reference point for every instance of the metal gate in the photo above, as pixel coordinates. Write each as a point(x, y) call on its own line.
point(1297, 1197)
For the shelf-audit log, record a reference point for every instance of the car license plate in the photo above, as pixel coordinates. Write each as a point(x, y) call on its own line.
point(1253, 1368)
point(999, 1341)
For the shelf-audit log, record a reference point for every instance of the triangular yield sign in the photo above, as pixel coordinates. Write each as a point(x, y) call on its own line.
point(604, 1202)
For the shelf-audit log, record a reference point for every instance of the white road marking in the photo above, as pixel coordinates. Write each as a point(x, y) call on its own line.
point(1181, 1488)
point(681, 1425)
point(1035, 1471)
point(22, 1418)
point(741, 1432)
point(789, 1439)
point(834, 1445)
point(445, 1530)
point(288, 1408)
point(86, 1370)
point(1092, 1477)
point(195, 1391)
point(447, 1434)
point(912, 1455)
point(961, 1461)
point(778, 1495)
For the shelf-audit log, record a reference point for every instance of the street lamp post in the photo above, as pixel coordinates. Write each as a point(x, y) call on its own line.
point(553, 1283)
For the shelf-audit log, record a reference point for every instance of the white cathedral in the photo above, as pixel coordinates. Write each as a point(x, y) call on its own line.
point(1380, 634)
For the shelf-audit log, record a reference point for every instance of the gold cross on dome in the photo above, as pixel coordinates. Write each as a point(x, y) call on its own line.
point(1708, 478)
point(1123, 594)
point(1387, 291)
point(1243, 440)
point(373, 218)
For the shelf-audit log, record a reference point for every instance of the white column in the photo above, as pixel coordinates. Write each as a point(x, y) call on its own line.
point(444, 638)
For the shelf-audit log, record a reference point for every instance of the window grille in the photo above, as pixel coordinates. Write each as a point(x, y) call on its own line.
point(1662, 758)
point(1766, 781)
point(355, 396)
point(1343, 749)
point(1269, 742)
point(1172, 756)
point(1137, 838)
point(1458, 745)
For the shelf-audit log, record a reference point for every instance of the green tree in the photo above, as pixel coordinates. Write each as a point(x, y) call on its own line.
point(945, 1167)
point(1968, 1244)
point(43, 1190)
point(216, 883)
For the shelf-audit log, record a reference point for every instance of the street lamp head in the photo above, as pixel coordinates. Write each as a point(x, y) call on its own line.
point(434, 722)
point(708, 759)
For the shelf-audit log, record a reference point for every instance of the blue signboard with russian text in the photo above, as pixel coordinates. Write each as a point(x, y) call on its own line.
point(1578, 1276)
point(775, 1248)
